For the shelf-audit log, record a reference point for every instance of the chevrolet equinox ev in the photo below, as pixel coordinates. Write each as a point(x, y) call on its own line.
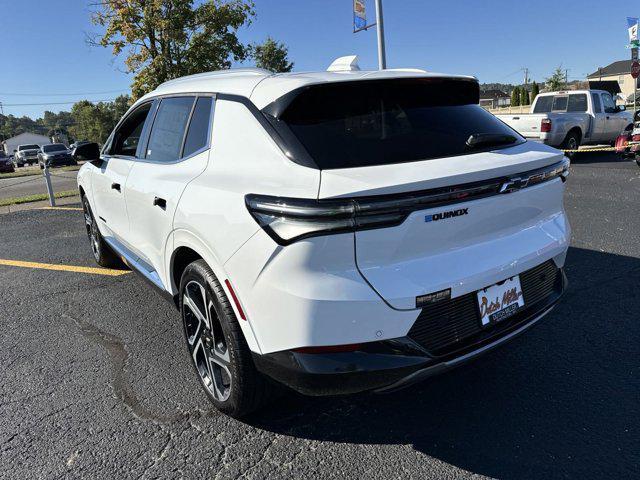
point(334, 232)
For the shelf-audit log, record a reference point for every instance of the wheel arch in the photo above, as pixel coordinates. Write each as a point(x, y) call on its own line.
point(187, 247)
point(575, 129)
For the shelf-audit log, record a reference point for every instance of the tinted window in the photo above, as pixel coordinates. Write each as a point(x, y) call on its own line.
point(597, 106)
point(28, 147)
point(167, 133)
point(127, 137)
point(559, 104)
point(198, 134)
point(354, 124)
point(56, 147)
point(577, 103)
point(543, 105)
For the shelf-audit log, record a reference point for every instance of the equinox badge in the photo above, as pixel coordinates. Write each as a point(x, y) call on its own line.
point(444, 215)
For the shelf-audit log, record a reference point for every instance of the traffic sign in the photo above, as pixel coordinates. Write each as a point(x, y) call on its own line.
point(635, 69)
point(634, 54)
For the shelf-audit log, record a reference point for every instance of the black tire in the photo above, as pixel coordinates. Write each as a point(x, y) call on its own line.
point(218, 352)
point(102, 253)
point(571, 142)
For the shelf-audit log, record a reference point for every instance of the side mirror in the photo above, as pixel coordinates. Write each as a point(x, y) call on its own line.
point(88, 152)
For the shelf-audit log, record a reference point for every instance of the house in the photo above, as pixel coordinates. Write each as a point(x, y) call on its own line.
point(25, 138)
point(619, 72)
point(494, 99)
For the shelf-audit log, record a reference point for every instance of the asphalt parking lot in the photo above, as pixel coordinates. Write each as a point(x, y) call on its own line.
point(96, 382)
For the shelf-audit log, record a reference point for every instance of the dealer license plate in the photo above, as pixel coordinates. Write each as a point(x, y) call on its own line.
point(500, 301)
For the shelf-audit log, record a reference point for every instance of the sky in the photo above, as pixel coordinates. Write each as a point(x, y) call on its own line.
point(45, 54)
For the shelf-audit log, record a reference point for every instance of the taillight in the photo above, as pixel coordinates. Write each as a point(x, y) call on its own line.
point(545, 125)
point(287, 220)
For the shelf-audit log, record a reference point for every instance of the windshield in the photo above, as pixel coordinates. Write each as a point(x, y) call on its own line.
point(56, 147)
point(382, 122)
point(28, 147)
point(561, 103)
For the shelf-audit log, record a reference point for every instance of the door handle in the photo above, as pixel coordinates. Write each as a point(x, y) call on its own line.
point(115, 186)
point(160, 202)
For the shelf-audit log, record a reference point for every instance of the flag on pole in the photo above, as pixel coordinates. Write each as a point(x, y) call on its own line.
point(359, 15)
point(632, 25)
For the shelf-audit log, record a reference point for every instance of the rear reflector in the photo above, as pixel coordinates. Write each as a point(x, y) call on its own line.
point(330, 349)
point(235, 300)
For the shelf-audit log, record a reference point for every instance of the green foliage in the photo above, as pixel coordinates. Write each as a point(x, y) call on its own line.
point(524, 96)
point(94, 122)
point(271, 56)
point(166, 39)
point(515, 97)
point(535, 90)
point(85, 121)
point(556, 80)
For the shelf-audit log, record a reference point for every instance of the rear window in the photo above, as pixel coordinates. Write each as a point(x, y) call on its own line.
point(56, 147)
point(561, 103)
point(28, 147)
point(365, 123)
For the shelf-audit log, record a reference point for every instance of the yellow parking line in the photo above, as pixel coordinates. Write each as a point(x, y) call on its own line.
point(60, 208)
point(64, 268)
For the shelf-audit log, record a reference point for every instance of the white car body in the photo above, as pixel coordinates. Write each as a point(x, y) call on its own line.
point(353, 287)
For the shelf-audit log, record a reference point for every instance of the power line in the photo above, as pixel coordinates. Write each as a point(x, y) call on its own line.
point(77, 94)
point(53, 103)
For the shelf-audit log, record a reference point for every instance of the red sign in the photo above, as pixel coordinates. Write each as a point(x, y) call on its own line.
point(635, 69)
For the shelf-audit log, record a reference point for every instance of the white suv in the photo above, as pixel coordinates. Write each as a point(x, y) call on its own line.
point(334, 232)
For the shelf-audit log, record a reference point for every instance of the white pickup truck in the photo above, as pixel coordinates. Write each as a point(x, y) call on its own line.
point(573, 118)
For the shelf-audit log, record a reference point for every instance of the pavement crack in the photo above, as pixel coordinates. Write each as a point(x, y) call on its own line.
point(118, 356)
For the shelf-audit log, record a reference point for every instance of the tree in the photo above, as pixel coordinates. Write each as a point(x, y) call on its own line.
point(166, 39)
point(272, 56)
point(535, 90)
point(556, 80)
point(94, 122)
point(515, 97)
point(524, 96)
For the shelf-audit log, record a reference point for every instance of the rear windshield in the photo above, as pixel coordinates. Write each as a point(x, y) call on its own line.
point(561, 103)
point(56, 147)
point(365, 123)
point(28, 147)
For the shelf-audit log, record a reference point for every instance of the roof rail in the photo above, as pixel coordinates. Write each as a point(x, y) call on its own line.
point(219, 73)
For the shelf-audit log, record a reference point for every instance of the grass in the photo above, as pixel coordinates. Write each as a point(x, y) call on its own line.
point(36, 171)
point(36, 198)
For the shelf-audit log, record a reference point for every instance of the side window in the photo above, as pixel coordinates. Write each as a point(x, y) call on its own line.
point(127, 137)
point(609, 105)
point(169, 126)
point(597, 106)
point(198, 134)
point(577, 103)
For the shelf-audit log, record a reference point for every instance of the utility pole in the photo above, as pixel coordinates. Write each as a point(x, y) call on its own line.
point(566, 78)
point(382, 54)
point(526, 75)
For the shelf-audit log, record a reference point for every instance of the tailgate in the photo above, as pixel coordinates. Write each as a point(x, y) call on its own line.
point(526, 124)
point(466, 246)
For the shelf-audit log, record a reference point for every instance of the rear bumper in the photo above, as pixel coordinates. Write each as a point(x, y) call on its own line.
point(390, 364)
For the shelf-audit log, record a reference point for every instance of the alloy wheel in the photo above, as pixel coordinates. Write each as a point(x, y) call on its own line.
point(206, 341)
point(92, 231)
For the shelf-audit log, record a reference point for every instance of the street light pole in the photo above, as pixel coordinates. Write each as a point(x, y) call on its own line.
point(382, 54)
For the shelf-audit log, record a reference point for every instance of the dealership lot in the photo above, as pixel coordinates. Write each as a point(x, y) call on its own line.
point(96, 381)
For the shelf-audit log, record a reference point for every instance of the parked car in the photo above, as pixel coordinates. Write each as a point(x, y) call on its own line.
point(570, 119)
point(6, 165)
point(334, 232)
point(55, 155)
point(26, 155)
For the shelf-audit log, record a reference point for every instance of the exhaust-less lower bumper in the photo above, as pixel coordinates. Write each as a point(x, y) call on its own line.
point(391, 364)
